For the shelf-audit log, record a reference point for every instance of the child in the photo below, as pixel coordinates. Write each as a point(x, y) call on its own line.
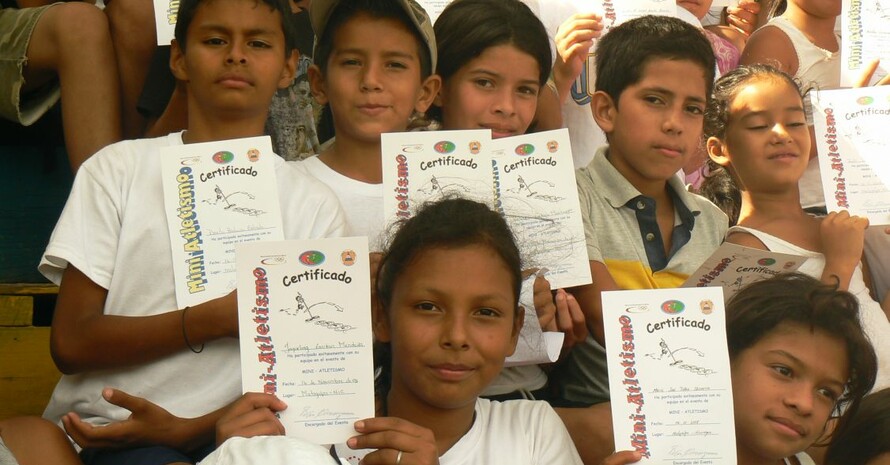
point(644, 230)
point(19, 437)
point(371, 87)
point(865, 441)
point(61, 49)
point(447, 328)
point(757, 130)
point(116, 321)
point(797, 354)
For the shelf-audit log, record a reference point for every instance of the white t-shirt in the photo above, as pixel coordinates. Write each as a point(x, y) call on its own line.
point(584, 134)
point(362, 203)
point(515, 432)
point(113, 230)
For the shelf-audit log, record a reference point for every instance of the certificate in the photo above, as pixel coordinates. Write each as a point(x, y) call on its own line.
point(535, 191)
point(304, 317)
point(433, 8)
point(865, 36)
point(854, 152)
point(734, 266)
point(426, 166)
point(165, 19)
point(669, 375)
point(216, 195)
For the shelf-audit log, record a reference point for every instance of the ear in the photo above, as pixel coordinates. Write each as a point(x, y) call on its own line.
point(290, 70)
point(518, 320)
point(604, 111)
point(177, 61)
point(717, 151)
point(429, 91)
point(317, 85)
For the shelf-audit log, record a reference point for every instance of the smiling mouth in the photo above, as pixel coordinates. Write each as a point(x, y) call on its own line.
point(451, 372)
point(782, 156)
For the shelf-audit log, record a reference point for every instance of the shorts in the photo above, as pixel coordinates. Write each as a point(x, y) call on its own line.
point(17, 25)
point(149, 455)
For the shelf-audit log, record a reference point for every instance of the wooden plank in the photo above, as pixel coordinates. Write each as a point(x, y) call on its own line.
point(27, 372)
point(16, 310)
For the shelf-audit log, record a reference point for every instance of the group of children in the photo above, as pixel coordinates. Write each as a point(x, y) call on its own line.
point(146, 382)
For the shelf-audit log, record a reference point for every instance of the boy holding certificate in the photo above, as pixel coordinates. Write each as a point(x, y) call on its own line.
point(117, 322)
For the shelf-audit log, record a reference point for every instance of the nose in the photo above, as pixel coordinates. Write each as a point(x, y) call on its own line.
point(454, 332)
point(780, 134)
point(504, 102)
point(672, 123)
point(800, 398)
point(371, 79)
point(236, 54)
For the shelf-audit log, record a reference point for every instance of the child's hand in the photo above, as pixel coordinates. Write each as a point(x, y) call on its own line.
point(843, 237)
point(743, 16)
point(148, 423)
point(398, 442)
point(251, 415)
point(867, 74)
point(570, 319)
point(544, 305)
point(622, 457)
point(573, 41)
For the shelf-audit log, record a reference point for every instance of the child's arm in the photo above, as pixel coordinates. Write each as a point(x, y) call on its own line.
point(393, 437)
point(771, 46)
point(573, 41)
point(843, 238)
point(588, 297)
point(84, 338)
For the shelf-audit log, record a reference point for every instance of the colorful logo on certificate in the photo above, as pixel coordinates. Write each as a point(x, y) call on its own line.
point(444, 147)
point(552, 146)
point(253, 155)
point(274, 260)
point(223, 157)
point(525, 149)
point(673, 307)
point(766, 262)
point(865, 100)
point(348, 257)
point(312, 258)
point(475, 147)
point(707, 306)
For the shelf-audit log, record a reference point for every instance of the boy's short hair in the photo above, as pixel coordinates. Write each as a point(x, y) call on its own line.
point(328, 15)
point(624, 52)
point(188, 8)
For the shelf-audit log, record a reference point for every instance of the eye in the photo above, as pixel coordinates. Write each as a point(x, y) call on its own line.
point(759, 127)
point(528, 90)
point(214, 41)
point(782, 370)
point(695, 110)
point(350, 62)
point(653, 99)
point(829, 394)
point(427, 306)
point(484, 83)
point(796, 124)
point(488, 312)
point(259, 44)
point(396, 65)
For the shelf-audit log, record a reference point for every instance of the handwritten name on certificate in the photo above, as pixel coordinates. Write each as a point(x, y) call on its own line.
point(734, 266)
point(854, 151)
point(216, 195)
point(535, 191)
point(304, 316)
point(427, 166)
point(669, 375)
point(865, 36)
point(165, 19)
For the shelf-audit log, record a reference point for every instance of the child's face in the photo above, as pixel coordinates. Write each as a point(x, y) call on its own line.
point(699, 8)
point(373, 82)
point(784, 389)
point(656, 125)
point(451, 322)
point(497, 90)
point(767, 143)
point(234, 60)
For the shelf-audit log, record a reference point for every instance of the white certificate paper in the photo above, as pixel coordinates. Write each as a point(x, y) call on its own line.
point(669, 375)
point(304, 315)
point(427, 166)
point(535, 191)
point(216, 195)
point(734, 266)
point(165, 19)
point(854, 151)
point(433, 8)
point(865, 36)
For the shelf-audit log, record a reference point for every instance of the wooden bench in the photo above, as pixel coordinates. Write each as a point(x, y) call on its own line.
point(27, 372)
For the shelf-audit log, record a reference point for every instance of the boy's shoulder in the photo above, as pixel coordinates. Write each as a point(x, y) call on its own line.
point(309, 207)
point(130, 154)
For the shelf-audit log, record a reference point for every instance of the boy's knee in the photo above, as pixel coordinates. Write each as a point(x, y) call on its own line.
point(78, 25)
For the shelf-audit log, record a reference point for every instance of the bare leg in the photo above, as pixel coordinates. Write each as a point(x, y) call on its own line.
point(35, 441)
point(134, 38)
point(591, 431)
point(72, 40)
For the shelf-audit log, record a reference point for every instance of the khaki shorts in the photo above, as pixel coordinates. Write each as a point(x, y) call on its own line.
point(16, 27)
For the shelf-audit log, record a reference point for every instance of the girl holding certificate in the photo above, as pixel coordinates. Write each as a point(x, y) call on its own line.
point(757, 132)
